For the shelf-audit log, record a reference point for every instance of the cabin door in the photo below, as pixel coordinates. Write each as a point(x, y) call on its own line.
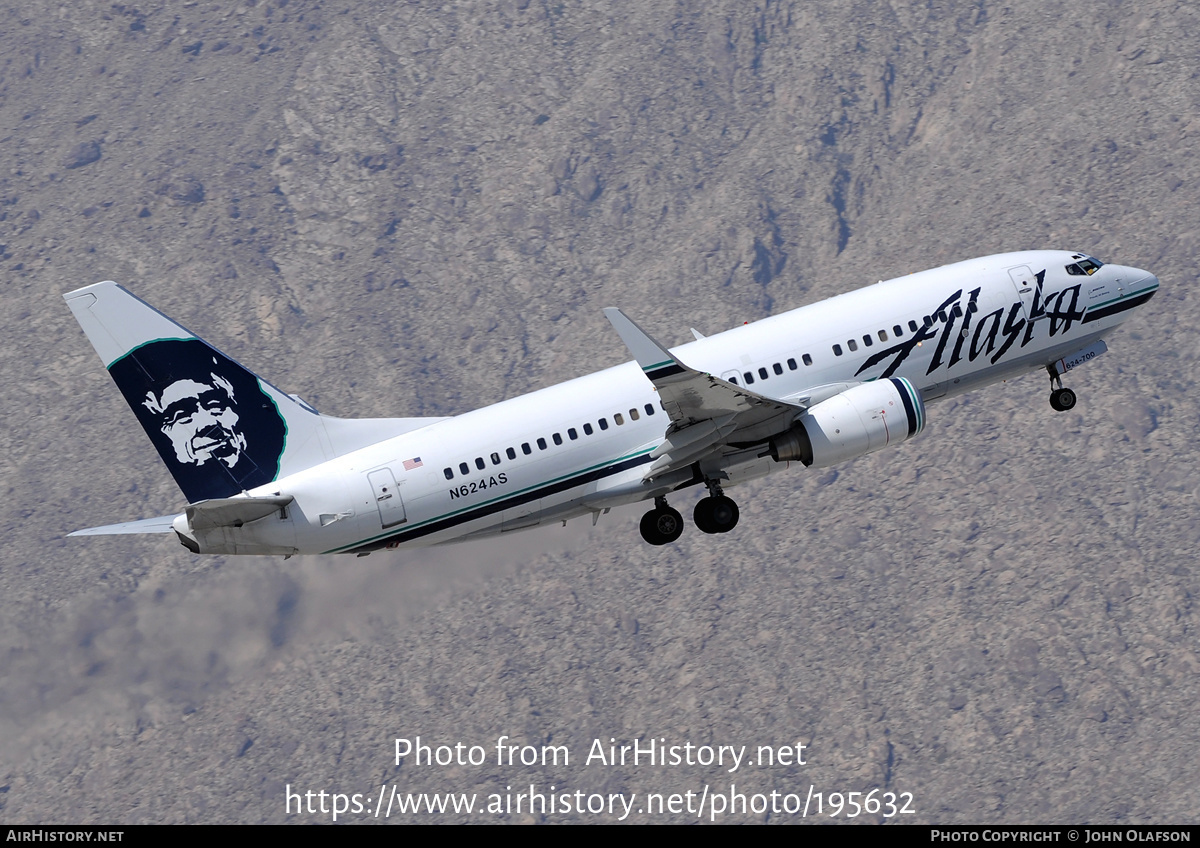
point(1026, 284)
point(387, 497)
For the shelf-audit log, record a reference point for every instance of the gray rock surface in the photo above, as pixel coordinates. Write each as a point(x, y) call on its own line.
point(411, 209)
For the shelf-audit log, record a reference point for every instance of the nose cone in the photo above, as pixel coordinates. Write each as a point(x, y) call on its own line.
point(1134, 280)
point(1121, 290)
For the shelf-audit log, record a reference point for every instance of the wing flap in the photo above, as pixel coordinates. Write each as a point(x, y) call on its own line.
point(683, 447)
point(706, 412)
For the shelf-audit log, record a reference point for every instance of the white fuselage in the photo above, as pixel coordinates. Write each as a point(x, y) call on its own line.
point(960, 326)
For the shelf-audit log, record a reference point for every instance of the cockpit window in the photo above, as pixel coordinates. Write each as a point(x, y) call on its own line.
point(1085, 266)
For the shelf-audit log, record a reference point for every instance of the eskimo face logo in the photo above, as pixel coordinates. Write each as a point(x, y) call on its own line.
point(214, 426)
point(201, 420)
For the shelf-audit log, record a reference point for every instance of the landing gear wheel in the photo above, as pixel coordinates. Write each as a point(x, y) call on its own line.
point(725, 513)
point(1062, 399)
point(717, 514)
point(662, 526)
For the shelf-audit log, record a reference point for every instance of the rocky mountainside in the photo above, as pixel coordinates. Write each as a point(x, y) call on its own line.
point(407, 209)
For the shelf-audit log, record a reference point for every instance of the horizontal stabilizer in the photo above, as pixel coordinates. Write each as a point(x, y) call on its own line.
point(232, 512)
point(161, 524)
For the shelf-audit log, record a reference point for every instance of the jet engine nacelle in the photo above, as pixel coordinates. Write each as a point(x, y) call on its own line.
point(858, 421)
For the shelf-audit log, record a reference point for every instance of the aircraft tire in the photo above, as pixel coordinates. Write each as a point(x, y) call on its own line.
point(702, 515)
point(717, 514)
point(725, 513)
point(1062, 400)
point(662, 526)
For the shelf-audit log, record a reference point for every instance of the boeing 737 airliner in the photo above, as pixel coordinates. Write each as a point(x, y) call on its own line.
point(264, 473)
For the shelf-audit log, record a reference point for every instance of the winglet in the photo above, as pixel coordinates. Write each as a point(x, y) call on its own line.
point(656, 361)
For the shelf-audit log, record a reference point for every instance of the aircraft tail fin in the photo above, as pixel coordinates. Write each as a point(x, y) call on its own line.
point(220, 429)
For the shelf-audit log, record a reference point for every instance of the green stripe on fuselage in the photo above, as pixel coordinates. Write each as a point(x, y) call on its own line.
point(506, 496)
point(1121, 297)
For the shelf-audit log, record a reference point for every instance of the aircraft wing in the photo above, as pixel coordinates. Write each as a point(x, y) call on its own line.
point(706, 412)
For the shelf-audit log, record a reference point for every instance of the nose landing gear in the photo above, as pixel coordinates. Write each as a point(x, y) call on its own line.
point(1061, 399)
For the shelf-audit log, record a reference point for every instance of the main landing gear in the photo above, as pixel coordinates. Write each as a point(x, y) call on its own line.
point(1061, 399)
point(714, 514)
point(661, 525)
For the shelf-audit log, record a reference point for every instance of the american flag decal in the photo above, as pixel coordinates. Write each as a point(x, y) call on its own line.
point(410, 464)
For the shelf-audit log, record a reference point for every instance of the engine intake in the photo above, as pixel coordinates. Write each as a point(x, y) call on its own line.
point(856, 422)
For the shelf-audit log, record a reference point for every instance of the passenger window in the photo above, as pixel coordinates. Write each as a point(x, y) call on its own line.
point(526, 449)
point(479, 463)
point(749, 378)
point(837, 350)
point(807, 360)
point(883, 335)
point(541, 443)
point(587, 429)
point(928, 322)
point(634, 414)
point(495, 459)
point(449, 472)
point(912, 326)
point(733, 380)
point(603, 423)
point(942, 316)
point(957, 310)
point(571, 434)
point(619, 419)
point(510, 453)
point(867, 340)
point(897, 331)
point(557, 438)
point(464, 469)
point(777, 368)
point(649, 409)
point(853, 345)
point(792, 366)
point(762, 373)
